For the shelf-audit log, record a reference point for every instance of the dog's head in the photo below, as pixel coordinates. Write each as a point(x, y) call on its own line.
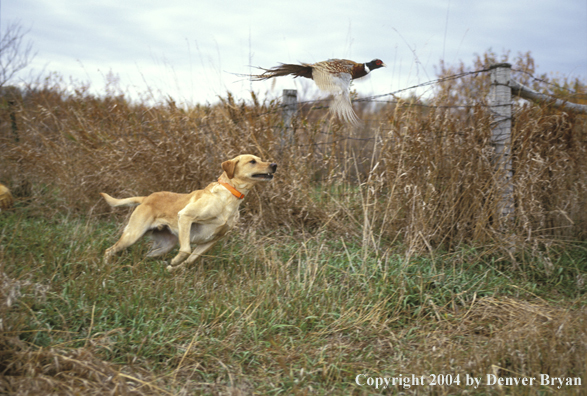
point(249, 168)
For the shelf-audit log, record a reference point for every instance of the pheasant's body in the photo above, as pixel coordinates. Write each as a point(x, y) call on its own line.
point(333, 75)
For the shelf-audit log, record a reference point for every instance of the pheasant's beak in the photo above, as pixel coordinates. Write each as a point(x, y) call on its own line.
point(383, 64)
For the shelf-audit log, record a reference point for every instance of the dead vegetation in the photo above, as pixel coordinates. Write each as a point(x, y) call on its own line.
point(426, 173)
point(337, 233)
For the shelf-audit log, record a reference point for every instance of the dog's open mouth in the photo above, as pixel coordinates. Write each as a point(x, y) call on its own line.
point(264, 176)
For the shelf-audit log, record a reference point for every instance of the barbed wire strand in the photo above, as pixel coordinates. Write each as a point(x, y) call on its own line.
point(543, 81)
point(375, 98)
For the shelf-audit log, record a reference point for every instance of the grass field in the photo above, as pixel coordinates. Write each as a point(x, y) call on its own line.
point(278, 314)
point(360, 263)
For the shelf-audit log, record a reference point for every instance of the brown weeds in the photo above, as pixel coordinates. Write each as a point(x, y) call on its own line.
point(422, 176)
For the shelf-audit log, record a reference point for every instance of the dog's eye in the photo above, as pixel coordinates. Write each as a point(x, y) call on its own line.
point(253, 162)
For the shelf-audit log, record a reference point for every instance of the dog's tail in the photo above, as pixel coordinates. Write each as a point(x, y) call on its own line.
point(132, 201)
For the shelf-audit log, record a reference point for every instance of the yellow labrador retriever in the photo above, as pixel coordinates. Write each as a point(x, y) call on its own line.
point(200, 217)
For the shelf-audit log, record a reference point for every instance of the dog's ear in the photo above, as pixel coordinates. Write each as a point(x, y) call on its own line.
point(229, 167)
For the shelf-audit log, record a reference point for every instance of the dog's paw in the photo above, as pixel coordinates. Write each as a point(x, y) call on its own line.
point(180, 258)
point(170, 268)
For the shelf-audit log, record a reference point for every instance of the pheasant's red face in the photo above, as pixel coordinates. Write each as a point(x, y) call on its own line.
point(375, 64)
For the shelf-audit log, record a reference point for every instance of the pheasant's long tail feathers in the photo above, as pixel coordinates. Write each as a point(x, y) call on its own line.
point(285, 69)
point(133, 201)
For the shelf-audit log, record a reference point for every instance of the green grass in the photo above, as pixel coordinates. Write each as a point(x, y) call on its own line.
point(343, 272)
point(291, 314)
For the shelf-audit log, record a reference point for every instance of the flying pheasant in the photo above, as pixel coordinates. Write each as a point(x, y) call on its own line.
point(333, 75)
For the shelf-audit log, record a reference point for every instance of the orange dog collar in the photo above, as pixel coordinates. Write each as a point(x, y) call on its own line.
point(233, 190)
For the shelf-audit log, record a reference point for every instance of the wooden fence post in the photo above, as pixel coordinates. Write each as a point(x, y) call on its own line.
point(500, 101)
point(290, 109)
point(528, 94)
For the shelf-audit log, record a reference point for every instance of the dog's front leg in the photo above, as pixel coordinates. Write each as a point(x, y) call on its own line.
point(179, 258)
point(200, 211)
point(185, 218)
point(198, 251)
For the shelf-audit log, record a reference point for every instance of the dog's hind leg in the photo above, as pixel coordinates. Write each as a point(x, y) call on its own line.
point(139, 223)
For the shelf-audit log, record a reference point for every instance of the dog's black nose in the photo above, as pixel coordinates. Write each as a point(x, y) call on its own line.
point(273, 167)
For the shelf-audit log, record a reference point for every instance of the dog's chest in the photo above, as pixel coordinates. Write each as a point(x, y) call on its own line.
point(203, 233)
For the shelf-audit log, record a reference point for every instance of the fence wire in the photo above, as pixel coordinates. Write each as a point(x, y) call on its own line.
point(320, 104)
point(376, 98)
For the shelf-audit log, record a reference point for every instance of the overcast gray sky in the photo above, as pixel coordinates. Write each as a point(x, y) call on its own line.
point(189, 48)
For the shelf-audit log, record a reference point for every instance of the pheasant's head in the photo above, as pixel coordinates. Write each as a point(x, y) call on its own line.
point(375, 64)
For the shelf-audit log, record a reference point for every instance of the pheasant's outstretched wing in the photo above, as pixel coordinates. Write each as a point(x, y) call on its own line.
point(339, 85)
point(329, 82)
point(341, 106)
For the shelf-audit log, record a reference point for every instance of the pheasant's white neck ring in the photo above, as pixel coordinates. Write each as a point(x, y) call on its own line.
point(367, 68)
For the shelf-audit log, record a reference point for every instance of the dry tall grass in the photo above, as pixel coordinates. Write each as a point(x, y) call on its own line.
point(416, 177)
point(418, 174)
